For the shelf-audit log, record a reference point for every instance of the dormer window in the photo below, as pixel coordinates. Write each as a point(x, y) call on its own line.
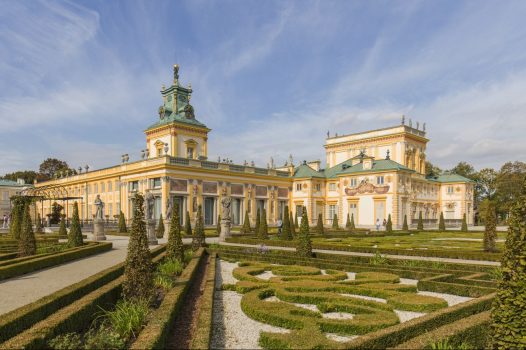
point(190, 152)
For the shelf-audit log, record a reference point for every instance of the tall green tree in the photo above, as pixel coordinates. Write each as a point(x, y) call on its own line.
point(285, 231)
point(246, 223)
point(464, 226)
point(263, 227)
point(352, 227)
point(389, 225)
point(174, 246)
point(122, 223)
point(420, 225)
point(464, 169)
point(296, 225)
point(138, 269)
point(304, 247)
point(56, 213)
point(17, 214)
point(508, 185)
point(509, 306)
point(348, 222)
point(431, 170)
point(490, 229)
point(38, 224)
point(187, 225)
point(319, 225)
point(198, 239)
point(62, 231)
point(75, 238)
point(441, 222)
point(258, 221)
point(335, 225)
point(27, 243)
point(159, 232)
point(405, 227)
point(292, 226)
point(52, 166)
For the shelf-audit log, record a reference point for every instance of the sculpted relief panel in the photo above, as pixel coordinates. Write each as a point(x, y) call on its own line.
point(366, 188)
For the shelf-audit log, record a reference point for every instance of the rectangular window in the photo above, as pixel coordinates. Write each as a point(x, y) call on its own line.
point(298, 187)
point(353, 212)
point(190, 152)
point(110, 210)
point(353, 182)
point(5, 195)
point(102, 187)
point(109, 186)
point(156, 182)
point(332, 210)
point(379, 180)
point(134, 186)
point(318, 187)
point(450, 189)
point(332, 187)
point(299, 210)
point(96, 188)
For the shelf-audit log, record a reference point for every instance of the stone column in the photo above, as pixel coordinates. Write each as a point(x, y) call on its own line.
point(150, 230)
point(98, 230)
point(166, 228)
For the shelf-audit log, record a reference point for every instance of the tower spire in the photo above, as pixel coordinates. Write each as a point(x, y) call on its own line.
point(176, 74)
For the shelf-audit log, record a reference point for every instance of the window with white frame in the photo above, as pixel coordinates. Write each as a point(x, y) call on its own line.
point(102, 187)
point(379, 180)
point(318, 187)
point(332, 211)
point(298, 187)
point(5, 195)
point(450, 190)
point(134, 185)
point(156, 183)
point(332, 186)
point(96, 188)
point(109, 186)
point(354, 182)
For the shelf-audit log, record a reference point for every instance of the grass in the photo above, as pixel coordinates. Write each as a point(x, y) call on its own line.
point(127, 318)
point(444, 344)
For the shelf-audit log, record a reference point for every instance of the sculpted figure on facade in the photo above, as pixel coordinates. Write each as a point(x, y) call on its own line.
point(99, 205)
point(225, 203)
point(169, 206)
point(149, 203)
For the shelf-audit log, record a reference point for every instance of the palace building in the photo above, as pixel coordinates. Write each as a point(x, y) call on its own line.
point(368, 175)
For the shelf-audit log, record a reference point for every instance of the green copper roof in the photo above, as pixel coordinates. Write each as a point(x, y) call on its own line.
point(449, 178)
point(171, 117)
point(346, 167)
point(305, 171)
point(10, 183)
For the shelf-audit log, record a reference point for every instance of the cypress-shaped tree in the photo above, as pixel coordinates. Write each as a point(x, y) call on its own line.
point(464, 227)
point(420, 225)
point(138, 269)
point(441, 222)
point(75, 233)
point(198, 239)
point(304, 247)
point(335, 225)
point(16, 218)
point(490, 230)
point(509, 305)
point(405, 227)
point(352, 227)
point(296, 224)
point(122, 223)
point(218, 225)
point(285, 231)
point(389, 225)
point(292, 226)
point(246, 224)
point(27, 243)
point(159, 232)
point(263, 227)
point(62, 231)
point(187, 225)
point(174, 247)
point(258, 222)
point(348, 222)
point(38, 225)
point(319, 225)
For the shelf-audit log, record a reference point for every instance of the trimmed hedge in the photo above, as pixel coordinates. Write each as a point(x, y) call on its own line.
point(155, 334)
point(473, 330)
point(41, 262)
point(203, 330)
point(467, 255)
point(16, 321)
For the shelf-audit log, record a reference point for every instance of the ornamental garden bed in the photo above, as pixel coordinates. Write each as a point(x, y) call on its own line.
point(276, 300)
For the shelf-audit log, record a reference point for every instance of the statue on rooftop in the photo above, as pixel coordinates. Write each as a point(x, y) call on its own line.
point(189, 111)
point(403, 119)
point(176, 73)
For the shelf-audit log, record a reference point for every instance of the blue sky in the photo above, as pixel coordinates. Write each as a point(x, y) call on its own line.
point(80, 80)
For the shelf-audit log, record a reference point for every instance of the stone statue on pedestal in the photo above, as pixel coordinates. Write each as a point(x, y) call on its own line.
point(98, 221)
point(225, 218)
point(149, 204)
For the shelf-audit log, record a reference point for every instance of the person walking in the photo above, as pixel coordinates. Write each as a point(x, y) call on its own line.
point(384, 224)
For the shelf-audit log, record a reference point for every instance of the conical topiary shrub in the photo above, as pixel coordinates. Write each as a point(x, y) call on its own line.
point(246, 224)
point(17, 214)
point(348, 222)
point(26, 244)
point(352, 227)
point(319, 225)
point(198, 240)
point(335, 225)
point(258, 222)
point(509, 305)
point(285, 231)
point(138, 269)
point(38, 225)
point(296, 225)
point(389, 225)
point(122, 223)
point(405, 227)
point(420, 225)
point(490, 229)
point(159, 232)
point(62, 231)
point(75, 233)
point(187, 225)
point(464, 227)
point(304, 247)
point(292, 226)
point(174, 247)
point(441, 222)
point(263, 227)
